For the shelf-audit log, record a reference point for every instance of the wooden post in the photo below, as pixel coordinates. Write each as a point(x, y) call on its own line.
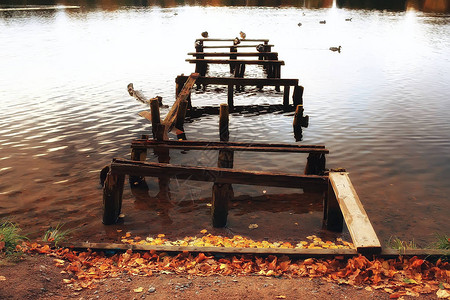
point(333, 218)
point(161, 133)
point(297, 97)
point(112, 197)
point(232, 65)
point(222, 193)
point(138, 154)
point(179, 123)
point(286, 96)
point(230, 97)
point(200, 67)
point(297, 124)
point(156, 119)
point(315, 164)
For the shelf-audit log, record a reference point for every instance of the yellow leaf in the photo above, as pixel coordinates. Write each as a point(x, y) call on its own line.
point(161, 235)
point(280, 297)
point(139, 289)
point(67, 281)
point(2, 278)
point(203, 231)
point(443, 294)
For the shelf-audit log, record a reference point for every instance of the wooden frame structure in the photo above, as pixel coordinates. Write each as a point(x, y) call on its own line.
point(341, 203)
point(231, 83)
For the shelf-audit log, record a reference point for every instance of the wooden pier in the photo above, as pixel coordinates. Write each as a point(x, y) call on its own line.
point(340, 200)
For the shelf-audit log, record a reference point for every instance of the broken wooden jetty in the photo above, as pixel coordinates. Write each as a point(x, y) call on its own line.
point(340, 200)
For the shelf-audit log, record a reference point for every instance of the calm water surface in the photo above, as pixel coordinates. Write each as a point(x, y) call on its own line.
point(382, 107)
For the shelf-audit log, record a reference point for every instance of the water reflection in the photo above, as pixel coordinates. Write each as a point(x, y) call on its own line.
point(394, 5)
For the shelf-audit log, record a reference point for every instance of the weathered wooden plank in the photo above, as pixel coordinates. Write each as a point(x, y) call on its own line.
point(240, 81)
point(169, 120)
point(227, 54)
point(236, 146)
point(232, 61)
point(363, 235)
point(220, 175)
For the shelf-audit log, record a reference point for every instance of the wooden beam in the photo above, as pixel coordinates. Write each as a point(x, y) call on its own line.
point(169, 120)
point(240, 81)
point(240, 61)
point(236, 146)
point(385, 253)
point(238, 46)
point(224, 250)
point(363, 235)
point(219, 175)
point(232, 40)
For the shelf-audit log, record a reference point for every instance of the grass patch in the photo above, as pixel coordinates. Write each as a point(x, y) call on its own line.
point(9, 237)
point(398, 244)
point(442, 242)
point(56, 235)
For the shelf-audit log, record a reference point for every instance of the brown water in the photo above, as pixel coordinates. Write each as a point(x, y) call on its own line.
point(381, 106)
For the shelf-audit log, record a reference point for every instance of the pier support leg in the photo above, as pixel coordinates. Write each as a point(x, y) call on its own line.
point(112, 198)
point(286, 96)
point(315, 164)
point(333, 218)
point(230, 97)
point(138, 154)
point(222, 193)
point(297, 97)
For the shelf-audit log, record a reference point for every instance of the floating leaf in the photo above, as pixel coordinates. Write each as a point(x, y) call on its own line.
point(253, 226)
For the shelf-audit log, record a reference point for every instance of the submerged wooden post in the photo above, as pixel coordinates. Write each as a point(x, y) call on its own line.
point(156, 118)
point(286, 96)
point(297, 124)
point(230, 96)
point(112, 197)
point(179, 124)
point(222, 193)
point(315, 164)
point(297, 97)
point(333, 218)
point(233, 65)
point(138, 154)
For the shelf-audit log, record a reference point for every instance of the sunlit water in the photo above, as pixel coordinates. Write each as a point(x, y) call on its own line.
point(382, 107)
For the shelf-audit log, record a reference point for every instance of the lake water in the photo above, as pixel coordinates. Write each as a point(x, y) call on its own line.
point(381, 105)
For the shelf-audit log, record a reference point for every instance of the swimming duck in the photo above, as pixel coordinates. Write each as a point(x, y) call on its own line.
point(299, 24)
point(243, 35)
point(338, 49)
point(349, 19)
point(205, 34)
point(323, 22)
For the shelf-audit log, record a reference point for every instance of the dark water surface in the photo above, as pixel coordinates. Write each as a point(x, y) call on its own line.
point(382, 107)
